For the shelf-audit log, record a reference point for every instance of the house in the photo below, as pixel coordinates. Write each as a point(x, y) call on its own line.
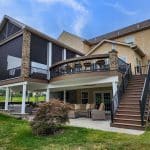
point(79, 71)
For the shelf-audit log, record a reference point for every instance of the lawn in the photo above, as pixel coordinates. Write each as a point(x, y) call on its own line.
point(16, 135)
point(19, 99)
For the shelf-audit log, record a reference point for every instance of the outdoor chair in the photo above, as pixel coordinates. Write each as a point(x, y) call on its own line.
point(99, 114)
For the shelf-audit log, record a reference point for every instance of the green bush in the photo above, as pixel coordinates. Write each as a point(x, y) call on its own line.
point(50, 117)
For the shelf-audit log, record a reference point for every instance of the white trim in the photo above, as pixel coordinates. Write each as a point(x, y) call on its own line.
point(64, 54)
point(24, 91)
point(14, 84)
point(47, 94)
point(7, 98)
point(114, 86)
point(49, 58)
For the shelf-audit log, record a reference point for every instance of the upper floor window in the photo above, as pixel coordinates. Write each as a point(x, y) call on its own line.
point(124, 58)
point(130, 40)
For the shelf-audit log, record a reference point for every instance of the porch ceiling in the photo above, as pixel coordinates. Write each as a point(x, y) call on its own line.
point(81, 83)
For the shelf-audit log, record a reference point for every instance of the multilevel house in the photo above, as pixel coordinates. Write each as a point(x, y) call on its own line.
point(111, 68)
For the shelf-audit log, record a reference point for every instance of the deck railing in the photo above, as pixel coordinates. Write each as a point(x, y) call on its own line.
point(121, 89)
point(81, 64)
point(38, 73)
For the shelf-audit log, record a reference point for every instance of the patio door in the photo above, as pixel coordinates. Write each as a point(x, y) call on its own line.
point(103, 97)
point(98, 99)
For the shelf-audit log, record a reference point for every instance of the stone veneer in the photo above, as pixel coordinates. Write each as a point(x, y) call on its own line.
point(113, 58)
point(25, 69)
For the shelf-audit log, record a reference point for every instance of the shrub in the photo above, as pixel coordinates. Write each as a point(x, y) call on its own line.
point(50, 117)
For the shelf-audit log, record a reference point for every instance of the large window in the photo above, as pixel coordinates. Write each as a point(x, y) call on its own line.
point(57, 53)
point(70, 54)
point(10, 58)
point(8, 30)
point(38, 57)
point(84, 97)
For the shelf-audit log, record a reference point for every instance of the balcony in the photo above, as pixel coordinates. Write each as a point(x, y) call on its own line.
point(94, 63)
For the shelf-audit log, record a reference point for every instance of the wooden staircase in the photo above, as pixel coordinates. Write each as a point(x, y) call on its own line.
point(128, 113)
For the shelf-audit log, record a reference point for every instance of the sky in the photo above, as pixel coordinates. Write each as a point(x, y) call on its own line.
point(85, 18)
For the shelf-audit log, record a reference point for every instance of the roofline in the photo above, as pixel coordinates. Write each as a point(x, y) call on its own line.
point(137, 27)
point(42, 35)
point(132, 46)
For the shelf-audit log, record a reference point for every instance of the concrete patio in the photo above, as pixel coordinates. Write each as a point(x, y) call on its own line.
point(101, 125)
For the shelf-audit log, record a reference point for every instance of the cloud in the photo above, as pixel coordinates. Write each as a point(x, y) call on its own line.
point(121, 8)
point(80, 20)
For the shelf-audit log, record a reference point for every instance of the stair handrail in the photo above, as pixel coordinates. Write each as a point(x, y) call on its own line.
point(120, 90)
point(145, 96)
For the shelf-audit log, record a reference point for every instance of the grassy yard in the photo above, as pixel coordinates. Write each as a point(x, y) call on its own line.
point(16, 135)
point(19, 99)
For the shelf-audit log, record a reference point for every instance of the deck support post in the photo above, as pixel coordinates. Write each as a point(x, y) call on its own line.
point(6, 98)
point(24, 92)
point(114, 86)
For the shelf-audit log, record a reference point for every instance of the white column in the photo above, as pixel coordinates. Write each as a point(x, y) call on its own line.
point(114, 86)
point(47, 94)
point(64, 97)
point(49, 58)
point(24, 91)
point(65, 56)
point(7, 98)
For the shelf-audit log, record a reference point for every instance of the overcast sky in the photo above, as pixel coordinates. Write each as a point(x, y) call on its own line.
point(86, 18)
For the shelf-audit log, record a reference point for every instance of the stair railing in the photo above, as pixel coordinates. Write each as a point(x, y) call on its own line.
point(121, 89)
point(145, 96)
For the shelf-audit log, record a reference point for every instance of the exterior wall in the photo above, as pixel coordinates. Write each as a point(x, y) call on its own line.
point(142, 40)
point(74, 42)
point(25, 69)
point(122, 51)
point(91, 92)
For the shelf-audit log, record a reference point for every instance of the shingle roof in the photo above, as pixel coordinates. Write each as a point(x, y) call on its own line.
point(121, 32)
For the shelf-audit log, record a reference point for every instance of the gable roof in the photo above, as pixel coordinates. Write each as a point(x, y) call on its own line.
point(132, 46)
point(121, 32)
point(34, 31)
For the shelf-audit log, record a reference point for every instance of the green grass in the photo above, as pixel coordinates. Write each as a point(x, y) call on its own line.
point(16, 135)
point(19, 99)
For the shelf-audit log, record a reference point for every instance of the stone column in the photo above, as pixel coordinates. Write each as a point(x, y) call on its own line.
point(25, 69)
point(7, 98)
point(24, 92)
point(113, 59)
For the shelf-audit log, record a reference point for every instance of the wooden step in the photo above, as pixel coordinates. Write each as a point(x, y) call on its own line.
point(127, 116)
point(126, 111)
point(128, 107)
point(127, 126)
point(127, 121)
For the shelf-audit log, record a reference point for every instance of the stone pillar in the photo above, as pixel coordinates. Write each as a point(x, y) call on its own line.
point(47, 94)
point(25, 69)
point(7, 98)
point(24, 92)
point(64, 97)
point(113, 59)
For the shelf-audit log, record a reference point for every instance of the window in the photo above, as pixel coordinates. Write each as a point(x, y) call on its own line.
point(84, 97)
point(124, 58)
point(129, 40)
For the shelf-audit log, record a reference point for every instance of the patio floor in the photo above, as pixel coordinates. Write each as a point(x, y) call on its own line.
point(101, 125)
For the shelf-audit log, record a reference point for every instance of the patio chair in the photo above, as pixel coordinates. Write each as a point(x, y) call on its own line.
point(99, 114)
